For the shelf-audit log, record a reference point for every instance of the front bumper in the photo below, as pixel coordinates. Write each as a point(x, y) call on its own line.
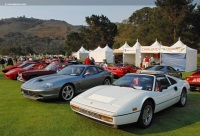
point(116, 120)
point(39, 94)
point(194, 87)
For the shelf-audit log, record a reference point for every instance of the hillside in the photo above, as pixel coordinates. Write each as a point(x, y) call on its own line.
point(40, 36)
point(36, 27)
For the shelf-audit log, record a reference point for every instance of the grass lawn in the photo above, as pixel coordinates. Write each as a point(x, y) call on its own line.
point(20, 116)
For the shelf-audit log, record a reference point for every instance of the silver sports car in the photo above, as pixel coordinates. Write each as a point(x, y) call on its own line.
point(66, 83)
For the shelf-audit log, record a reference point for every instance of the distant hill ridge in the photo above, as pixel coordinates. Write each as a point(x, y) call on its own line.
point(36, 27)
point(29, 35)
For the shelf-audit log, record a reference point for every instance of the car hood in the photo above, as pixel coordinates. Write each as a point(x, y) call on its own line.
point(108, 98)
point(38, 82)
point(14, 70)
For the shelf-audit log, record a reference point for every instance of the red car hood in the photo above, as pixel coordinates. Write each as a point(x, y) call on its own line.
point(16, 70)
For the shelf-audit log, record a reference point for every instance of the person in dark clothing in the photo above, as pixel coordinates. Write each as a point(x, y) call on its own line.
point(92, 61)
point(10, 62)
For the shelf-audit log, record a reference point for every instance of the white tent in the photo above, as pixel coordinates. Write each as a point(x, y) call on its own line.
point(179, 56)
point(81, 53)
point(100, 54)
point(118, 53)
point(132, 55)
point(152, 50)
point(121, 49)
point(108, 54)
point(96, 54)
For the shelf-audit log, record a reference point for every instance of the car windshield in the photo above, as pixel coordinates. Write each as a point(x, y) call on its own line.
point(52, 67)
point(136, 81)
point(21, 65)
point(29, 66)
point(72, 70)
point(161, 68)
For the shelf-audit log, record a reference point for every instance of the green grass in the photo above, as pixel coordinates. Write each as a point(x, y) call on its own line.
point(20, 116)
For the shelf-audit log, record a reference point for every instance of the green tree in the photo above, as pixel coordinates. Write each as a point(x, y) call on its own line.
point(100, 31)
point(125, 34)
point(177, 12)
point(74, 42)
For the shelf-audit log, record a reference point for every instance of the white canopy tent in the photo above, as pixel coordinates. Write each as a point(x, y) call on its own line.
point(132, 55)
point(96, 54)
point(151, 51)
point(118, 53)
point(100, 54)
point(179, 56)
point(121, 49)
point(108, 54)
point(81, 53)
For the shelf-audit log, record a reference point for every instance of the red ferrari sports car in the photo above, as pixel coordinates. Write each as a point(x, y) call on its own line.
point(194, 81)
point(50, 69)
point(12, 67)
point(119, 71)
point(12, 74)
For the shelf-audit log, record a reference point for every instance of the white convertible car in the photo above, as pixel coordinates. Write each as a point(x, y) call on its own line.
point(132, 98)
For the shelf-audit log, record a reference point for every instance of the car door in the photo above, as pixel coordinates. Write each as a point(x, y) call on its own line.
point(90, 78)
point(167, 95)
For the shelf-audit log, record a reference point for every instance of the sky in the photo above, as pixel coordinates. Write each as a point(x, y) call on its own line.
point(73, 11)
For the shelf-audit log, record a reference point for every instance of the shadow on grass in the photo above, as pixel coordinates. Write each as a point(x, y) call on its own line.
point(170, 119)
point(55, 101)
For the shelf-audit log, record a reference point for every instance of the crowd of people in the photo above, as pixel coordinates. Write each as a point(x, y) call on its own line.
point(8, 61)
point(47, 59)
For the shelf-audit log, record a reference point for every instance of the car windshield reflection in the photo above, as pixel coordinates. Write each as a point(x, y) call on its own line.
point(72, 70)
point(140, 82)
point(52, 67)
point(29, 66)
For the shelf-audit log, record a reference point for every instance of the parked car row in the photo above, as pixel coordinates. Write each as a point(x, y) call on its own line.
point(135, 97)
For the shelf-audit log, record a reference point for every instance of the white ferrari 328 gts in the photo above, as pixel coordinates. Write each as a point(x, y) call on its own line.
point(132, 98)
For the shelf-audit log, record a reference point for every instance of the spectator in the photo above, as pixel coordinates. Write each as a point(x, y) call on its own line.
point(105, 65)
point(10, 62)
point(92, 61)
point(87, 61)
point(2, 62)
point(146, 60)
point(15, 59)
point(152, 60)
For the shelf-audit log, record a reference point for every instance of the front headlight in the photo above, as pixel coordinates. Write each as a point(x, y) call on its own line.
point(48, 85)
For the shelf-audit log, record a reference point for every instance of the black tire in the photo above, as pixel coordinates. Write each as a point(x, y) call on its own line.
point(146, 115)
point(107, 81)
point(67, 92)
point(183, 98)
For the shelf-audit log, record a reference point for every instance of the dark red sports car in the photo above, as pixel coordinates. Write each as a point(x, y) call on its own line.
point(12, 74)
point(12, 67)
point(194, 81)
point(50, 69)
point(119, 71)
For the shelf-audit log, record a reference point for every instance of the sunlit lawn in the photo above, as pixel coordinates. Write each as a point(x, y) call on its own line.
point(20, 116)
